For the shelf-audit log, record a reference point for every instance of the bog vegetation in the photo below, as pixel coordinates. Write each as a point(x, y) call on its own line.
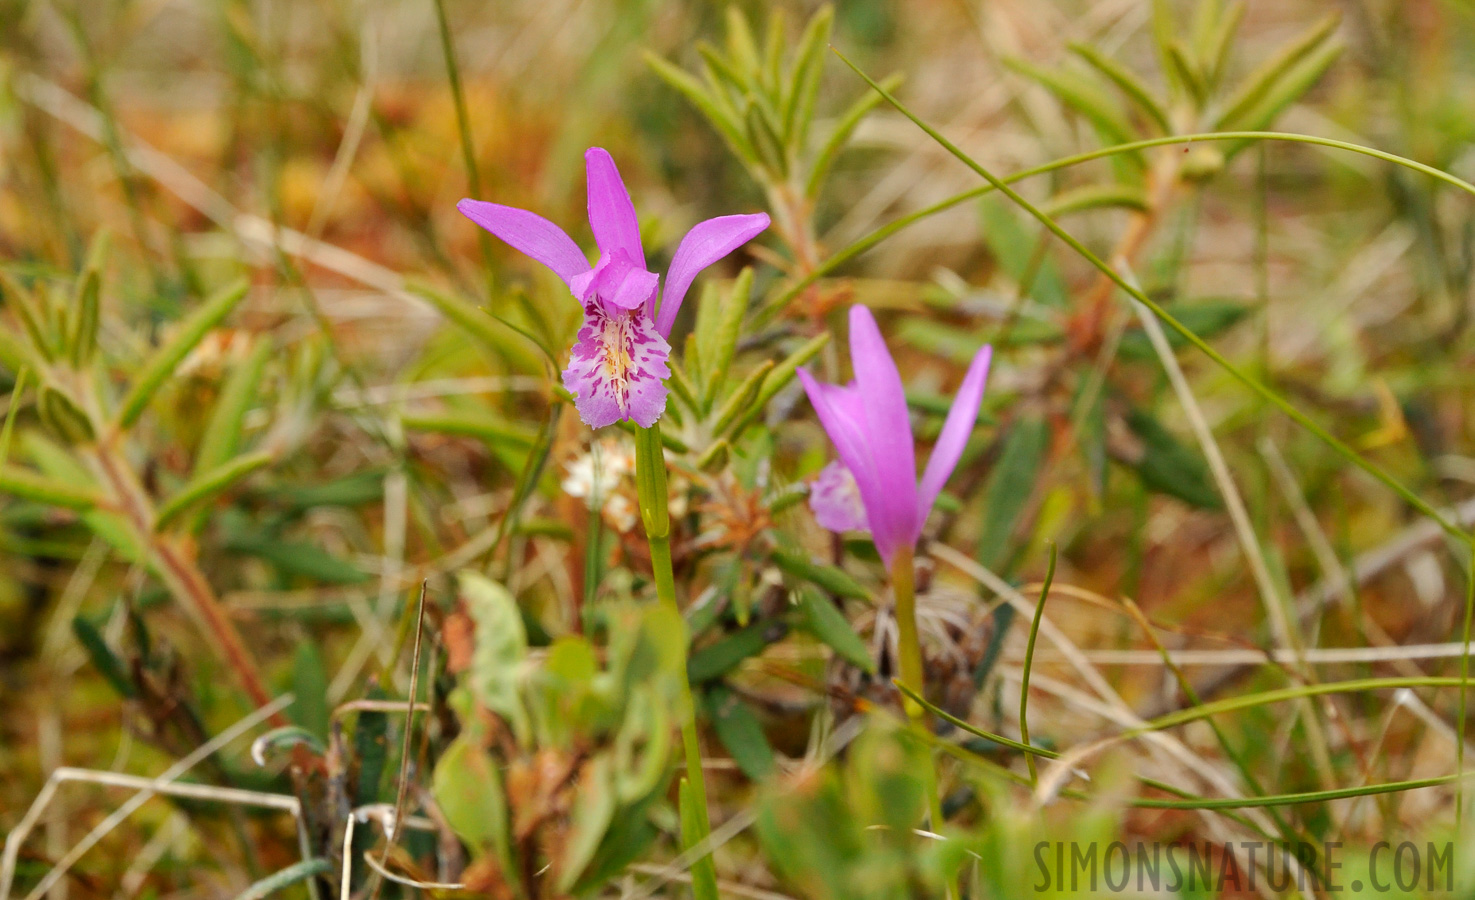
point(1051, 430)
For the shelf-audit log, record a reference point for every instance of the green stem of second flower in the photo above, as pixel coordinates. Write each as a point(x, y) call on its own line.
point(909, 651)
point(650, 480)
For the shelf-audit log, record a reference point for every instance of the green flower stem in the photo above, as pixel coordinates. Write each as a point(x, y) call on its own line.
point(650, 480)
point(909, 651)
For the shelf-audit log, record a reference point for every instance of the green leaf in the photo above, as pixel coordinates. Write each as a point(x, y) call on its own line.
point(310, 687)
point(763, 135)
point(371, 749)
point(729, 127)
point(741, 48)
point(1085, 95)
point(82, 341)
point(1169, 467)
point(57, 464)
point(840, 135)
point(32, 321)
point(740, 399)
point(352, 490)
point(1286, 90)
point(484, 426)
point(803, 86)
point(694, 831)
point(501, 648)
point(1214, 51)
point(302, 871)
point(167, 358)
point(468, 789)
point(826, 622)
point(295, 558)
point(1239, 109)
point(724, 655)
point(718, 327)
point(779, 378)
point(29, 485)
point(209, 485)
point(740, 732)
point(1009, 487)
point(1128, 82)
point(1187, 71)
point(103, 659)
point(1013, 246)
point(832, 579)
point(589, 819)
point(1206, 318)
point(476, 321)
point(1095, 196)
point(221, 439)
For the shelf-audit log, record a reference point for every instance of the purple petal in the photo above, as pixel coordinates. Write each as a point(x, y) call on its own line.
point(888, 430)
point(611, 213)
point(616, 281)
point(955, 431)
point(531, 234)
point(841, 411)
point(835, 499)
point(617, 369)
point(706, 243)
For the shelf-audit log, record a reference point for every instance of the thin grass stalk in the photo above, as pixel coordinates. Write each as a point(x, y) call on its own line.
point(1029, 658)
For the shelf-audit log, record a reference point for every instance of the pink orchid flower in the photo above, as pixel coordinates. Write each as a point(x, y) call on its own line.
point(873, 485)
point(617, 369)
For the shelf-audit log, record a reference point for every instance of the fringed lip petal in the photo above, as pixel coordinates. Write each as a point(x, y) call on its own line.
point(703, 245)
point(530, 234)
point(889, 429)
point(955, 431)
point(618, 368)
point(611, 211)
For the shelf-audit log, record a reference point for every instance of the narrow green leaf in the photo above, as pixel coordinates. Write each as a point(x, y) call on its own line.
point(742, 49)
point(296, 558)
point(26, 309)
point(719, 325)
point(1015, 248)
point(1206, 318)
point(1170, 467)
point(83, 339)
point(833, 579)
point(809, 57)
point(14, 354)
point(840, 135)
point(371, 749)
point(352, 490)
point(741, 397)
point(826, 622)
point(1009, 487)
point(740, 732)
point(729, 127)
point(1095, 196)
point(1215, 50)
point(1163, 31)
point(221, 439)
point(779, 378)
point(1187, 70)
point(1083, 94)
point(773, 51)
point(1268, 76)
point(302, 871)
point(476, 321)
point(209, 485)
point(727, 653)
point(186, 337)
point(1286, 90)
point(310, 690)
point(29, 485)
point(103, 658)
point(763, 135)
point(1127, 81)
point(483, 426)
